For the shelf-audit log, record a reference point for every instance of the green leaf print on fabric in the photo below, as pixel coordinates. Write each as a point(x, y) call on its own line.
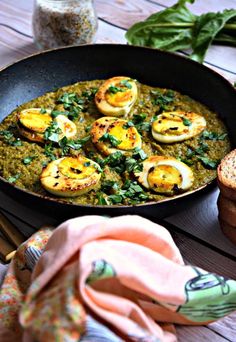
point(209, 297)
point(100, 270)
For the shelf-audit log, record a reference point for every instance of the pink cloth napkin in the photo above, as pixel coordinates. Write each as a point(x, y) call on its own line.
point(125, 271)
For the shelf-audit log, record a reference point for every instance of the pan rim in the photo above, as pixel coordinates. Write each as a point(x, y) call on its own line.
point(94, 46)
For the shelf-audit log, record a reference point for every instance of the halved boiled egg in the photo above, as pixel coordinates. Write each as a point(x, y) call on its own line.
point(164, 174)
point(111, 134)
point(116, 96)
point(173, 127)
point(33, 123)
point(70, 176)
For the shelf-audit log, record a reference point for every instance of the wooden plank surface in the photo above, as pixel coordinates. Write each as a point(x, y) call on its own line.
point(196, 230)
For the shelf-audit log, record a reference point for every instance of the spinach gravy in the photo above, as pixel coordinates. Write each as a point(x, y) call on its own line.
point(125, 167)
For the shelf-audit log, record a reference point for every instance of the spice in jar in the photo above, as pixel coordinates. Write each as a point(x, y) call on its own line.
point(64, 22)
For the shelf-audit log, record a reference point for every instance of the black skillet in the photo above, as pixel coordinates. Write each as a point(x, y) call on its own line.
point(33, 76)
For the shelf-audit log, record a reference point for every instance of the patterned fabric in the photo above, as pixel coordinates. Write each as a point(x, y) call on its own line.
point(125, 271)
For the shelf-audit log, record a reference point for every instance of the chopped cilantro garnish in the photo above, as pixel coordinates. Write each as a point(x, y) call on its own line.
point(128, 125)
point(101, 199)
point(48, 151)
point(111, 138)
point(53, 132)
point(139, 154)
point(132, 165)
point(126, 83)
point(208, 163)
point(115, 199)
point(213, 135)
point(43, 111)
point(138, 121)
point(186, 122)
point(66, 144)
point(14, 178)
point(88, 128)
point(55, 113)
point(90, 93)
point(188, 162)
point(137, 118)
point(28, 160)
point(163, 100)
point(113, 89)
point(72, 103)
point(10, 139)
point(109, 185)
point(87, 164)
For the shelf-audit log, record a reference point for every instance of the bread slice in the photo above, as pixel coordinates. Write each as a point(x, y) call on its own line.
point(227, 210)
point(226, 173)
point(228, 230)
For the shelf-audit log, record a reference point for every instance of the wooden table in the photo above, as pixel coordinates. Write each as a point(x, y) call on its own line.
point(196, 230)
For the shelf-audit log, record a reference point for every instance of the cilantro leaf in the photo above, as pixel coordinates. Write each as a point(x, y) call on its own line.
point(113, 89)
point(208, 163)
point(52, 133)
point(28, 160)
point(10, 139)
point(213, 136)
point(163, 100)
point(111, 138)
point(14, 178)
point(186, 122)
point(126, 84)
point(48, 151)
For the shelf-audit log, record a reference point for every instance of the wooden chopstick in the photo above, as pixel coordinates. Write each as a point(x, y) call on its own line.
point(10, 231)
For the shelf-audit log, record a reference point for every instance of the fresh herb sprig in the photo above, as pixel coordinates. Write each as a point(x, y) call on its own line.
point(207, 135)
point(28, 160)
point(66, 144)
point(73, 105)
point(163, 100)
point(130, 192)
point(10, 139)
point(177, 28)
point(199, 153)
point(13, 179)
point(111, 139)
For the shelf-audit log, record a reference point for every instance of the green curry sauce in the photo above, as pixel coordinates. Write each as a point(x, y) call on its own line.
point(22, 161)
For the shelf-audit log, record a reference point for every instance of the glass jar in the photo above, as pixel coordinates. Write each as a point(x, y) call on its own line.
point(63, 22)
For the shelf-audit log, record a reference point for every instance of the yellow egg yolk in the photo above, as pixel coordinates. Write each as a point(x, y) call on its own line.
point(170, 124)
point(128, 137)
point(76, 168)
point(120, 98)
point(35, 121)
point(163, 178)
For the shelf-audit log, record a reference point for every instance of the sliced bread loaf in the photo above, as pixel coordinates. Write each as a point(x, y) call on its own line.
point(227, 210)
point(226, 172)
point(228, 230)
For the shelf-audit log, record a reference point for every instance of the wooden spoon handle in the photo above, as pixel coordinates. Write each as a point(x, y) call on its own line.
point(10, 231)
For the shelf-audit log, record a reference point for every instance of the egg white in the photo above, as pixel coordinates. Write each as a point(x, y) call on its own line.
point(177, 126)
point(116, 103)
point(70, 176)
point(128, 137)
point(164, 174)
